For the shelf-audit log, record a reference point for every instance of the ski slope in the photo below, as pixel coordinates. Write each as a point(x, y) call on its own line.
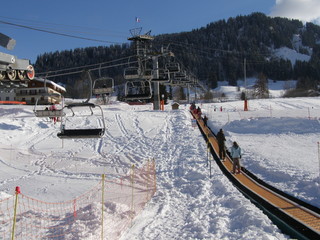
point(279, 139)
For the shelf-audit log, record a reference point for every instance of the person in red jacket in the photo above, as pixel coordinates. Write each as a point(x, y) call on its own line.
point(53, 108)
point(195, 112)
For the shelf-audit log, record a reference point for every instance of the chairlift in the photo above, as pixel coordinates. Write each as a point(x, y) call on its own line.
point(175, 83)
point(180, 75)
point(162, 76)
point(72, 128)
point(103, 85)
point(131, 73)
point(47, 112)
point(138, 90)
point(173, 67)
point(146, 74)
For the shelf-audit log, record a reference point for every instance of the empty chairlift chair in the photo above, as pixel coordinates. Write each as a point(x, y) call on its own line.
point(138, 90)
point(84, 120)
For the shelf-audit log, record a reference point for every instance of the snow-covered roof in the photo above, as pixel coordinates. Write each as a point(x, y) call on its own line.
point(49, 81)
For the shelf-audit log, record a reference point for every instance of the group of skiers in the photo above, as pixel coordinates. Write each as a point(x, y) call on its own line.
point(197, 113)
point(195, 110)
point(235, 150)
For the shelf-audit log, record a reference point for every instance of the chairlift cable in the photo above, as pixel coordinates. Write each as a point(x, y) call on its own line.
point(64, 27)
point(84, 66)
point(56, 33)
point(91, 69)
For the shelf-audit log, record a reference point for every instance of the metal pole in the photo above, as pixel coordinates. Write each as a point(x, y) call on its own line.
point(210, 169)
point(102, 207)
point(156, 88)
point(207, 153)
point(188, 93)
point(245, 77)
point(132, 185)
point(319, 160)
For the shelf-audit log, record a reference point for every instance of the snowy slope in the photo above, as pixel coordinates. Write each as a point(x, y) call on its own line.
point(278, 136)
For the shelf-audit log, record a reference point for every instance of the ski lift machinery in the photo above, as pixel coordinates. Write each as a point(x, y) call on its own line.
point(72, 126)
point(11, 67)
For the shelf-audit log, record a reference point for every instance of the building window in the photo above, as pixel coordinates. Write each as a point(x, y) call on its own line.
point(33, 92)
point(7, 98)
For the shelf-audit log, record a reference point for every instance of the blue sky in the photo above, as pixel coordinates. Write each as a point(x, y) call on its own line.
point(110, 21)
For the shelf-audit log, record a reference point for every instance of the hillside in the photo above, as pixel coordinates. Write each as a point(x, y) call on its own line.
point(217, 52)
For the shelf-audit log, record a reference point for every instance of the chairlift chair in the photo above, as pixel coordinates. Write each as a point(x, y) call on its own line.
point(180, 75)
point(78, 130)
point(138, 90)
point(46, 112)
point(175, 83)
point(146, 74)
point(173, 67)
point(131, 73)
point(162, 76)
point(103, 85)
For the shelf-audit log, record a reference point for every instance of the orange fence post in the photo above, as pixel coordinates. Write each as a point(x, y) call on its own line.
point(245, 105)
point(162, 105)
point(74, 208)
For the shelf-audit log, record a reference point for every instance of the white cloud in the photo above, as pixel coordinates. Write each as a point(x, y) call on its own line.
point(304, 10)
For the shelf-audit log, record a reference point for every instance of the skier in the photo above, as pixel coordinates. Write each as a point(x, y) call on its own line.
point(221, 143)
point(205, 120)
point(236, 156)
point(53, 108)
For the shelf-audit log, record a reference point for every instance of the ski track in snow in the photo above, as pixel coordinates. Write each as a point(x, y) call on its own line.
point(187, 201)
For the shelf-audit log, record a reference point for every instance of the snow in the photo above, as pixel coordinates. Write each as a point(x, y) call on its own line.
point(279, 138)
point(291, 54)
point(276, 88)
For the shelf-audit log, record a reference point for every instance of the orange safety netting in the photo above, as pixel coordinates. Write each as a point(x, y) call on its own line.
point(105, 211)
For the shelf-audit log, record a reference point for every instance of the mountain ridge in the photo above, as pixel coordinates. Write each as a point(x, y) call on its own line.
point(217, 52)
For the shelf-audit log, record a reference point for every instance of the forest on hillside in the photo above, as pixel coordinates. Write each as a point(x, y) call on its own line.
point(216, 52)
